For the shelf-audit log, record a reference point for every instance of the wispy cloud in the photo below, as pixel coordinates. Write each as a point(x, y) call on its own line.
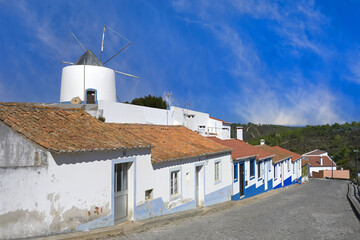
point(260, 96)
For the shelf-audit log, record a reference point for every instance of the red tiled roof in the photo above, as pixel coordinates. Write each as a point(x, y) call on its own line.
point(315, 152)
point(314, 161)
point(220, 120)
point(66, 130)
point(279, 155)
point(303, 162)
point(173, 142)
point(294, 157)
point(242, 149)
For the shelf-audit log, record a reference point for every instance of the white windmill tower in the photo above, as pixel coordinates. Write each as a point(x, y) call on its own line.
point(87, 80)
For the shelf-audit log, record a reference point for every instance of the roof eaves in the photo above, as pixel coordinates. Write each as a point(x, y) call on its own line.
point(267, 157)
point(187, 157)
point(101, 149)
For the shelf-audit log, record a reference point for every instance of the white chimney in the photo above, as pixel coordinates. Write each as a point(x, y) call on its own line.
point(239, 133)
point(321, 161)
point(262, 142)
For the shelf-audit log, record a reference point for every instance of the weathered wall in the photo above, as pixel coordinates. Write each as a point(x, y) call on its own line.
point(340, 174)
point(16, 151)
point(73, 192)
point(157, 177)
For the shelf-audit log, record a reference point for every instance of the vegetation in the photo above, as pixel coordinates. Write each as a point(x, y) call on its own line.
point(150, 101)
point(338, 140)
point(252, 130)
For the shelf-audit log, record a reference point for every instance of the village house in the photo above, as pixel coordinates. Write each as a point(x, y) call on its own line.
point(63, 170)
point(319, 160)
point(281, 166)
point(295, 164)
point(252, 168)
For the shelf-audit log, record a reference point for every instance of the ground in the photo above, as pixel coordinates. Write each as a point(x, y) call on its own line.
point(315, 210)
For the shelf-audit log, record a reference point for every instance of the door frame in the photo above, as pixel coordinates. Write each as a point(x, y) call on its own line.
point(131, 174)
point(241, 179)
point(202, 165)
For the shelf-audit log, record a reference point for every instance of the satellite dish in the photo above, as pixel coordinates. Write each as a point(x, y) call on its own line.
point(76, 100)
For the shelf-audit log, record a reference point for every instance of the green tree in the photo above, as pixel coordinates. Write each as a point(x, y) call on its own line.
point(150, 101)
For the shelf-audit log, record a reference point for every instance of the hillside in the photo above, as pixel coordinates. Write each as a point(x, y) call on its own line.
point(251, 130)
point(338, 140)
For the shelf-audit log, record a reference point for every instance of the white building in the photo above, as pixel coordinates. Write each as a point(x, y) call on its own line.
point(63, 170)
point(319, 160)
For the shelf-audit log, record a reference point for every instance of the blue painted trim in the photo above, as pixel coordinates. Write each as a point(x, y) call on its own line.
point(236, 171)
point(287, 181)
point(98, 223)
point(219, 196)
point(252, 174)
point(157, 207)
point(91, 89)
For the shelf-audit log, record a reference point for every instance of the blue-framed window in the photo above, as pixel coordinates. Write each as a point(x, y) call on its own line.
point(259, 171)
point(236, 172)
point(252, 168)
point(275, 171)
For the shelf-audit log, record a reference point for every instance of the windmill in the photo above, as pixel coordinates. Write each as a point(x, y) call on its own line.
point(88, 79)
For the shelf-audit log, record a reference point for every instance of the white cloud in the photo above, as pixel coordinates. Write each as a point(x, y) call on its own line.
point(262, 97)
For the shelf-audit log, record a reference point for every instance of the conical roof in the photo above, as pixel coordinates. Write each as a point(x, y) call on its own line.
point(89, 58)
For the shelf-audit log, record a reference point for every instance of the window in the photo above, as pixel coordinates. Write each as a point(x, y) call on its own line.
point(174, 183)
point(293, 168)
point(275, 172)
point(148, 194)
point(259, 170)
point(217, 172)
point(120, 177)
point(235, 172)
point(252, 168)
point(288, 164)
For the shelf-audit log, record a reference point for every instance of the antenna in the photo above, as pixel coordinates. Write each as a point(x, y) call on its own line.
point(167, 98)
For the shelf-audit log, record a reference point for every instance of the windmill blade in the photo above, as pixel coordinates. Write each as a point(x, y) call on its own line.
point(126, 74)
point(118, 52)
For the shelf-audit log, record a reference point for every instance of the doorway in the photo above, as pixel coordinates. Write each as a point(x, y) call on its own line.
point(90, 97)
point(120, 192)
point(199, 185)
point(241, 179)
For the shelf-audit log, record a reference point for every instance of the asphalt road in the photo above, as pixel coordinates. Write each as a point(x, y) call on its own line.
point(317, 210)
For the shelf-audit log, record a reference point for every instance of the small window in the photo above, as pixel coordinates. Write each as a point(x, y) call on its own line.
point(174, 183)
point(293, 168)
point(235, 172)
point(148, 194)
point(252, 168)
point(259, 170)
point(217, 172)
point(275, 172)
point(288, 164)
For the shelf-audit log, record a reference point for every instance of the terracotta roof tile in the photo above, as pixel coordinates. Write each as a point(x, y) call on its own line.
point(173, 142)
point(220, 120)
point(294, 157)
point(314, 161)
point(64, 130)
point(279, 155)
point(242, 149)
point(315, 152)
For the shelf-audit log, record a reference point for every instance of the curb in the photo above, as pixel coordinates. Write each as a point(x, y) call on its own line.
point(354, 202)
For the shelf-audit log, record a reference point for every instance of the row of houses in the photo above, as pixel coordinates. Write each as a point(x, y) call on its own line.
point(63, 170)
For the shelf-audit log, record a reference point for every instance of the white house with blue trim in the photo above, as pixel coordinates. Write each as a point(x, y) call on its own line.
point(251, 168)
point(62, 170)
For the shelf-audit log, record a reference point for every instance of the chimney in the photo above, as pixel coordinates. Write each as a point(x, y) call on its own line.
point(239, 133)
point(262, 142)
point(321, 161)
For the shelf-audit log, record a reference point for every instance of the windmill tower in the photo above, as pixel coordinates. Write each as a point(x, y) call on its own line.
point(87, 80)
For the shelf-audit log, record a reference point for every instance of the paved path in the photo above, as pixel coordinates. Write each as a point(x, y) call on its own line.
point(317, 210)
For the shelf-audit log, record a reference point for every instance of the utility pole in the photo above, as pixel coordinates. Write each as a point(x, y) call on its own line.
point(357, 169)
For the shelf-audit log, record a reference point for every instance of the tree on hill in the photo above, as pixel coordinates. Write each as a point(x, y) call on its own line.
point(150, 101)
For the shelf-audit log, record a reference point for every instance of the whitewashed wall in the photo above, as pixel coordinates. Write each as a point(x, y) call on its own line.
point(157, 177)
point(317, 169)
point(128, 113)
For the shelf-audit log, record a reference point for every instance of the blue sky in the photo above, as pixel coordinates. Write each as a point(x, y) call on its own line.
point(280, 62)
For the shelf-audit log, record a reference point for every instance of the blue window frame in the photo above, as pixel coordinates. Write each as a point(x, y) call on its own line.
point(236, 172)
